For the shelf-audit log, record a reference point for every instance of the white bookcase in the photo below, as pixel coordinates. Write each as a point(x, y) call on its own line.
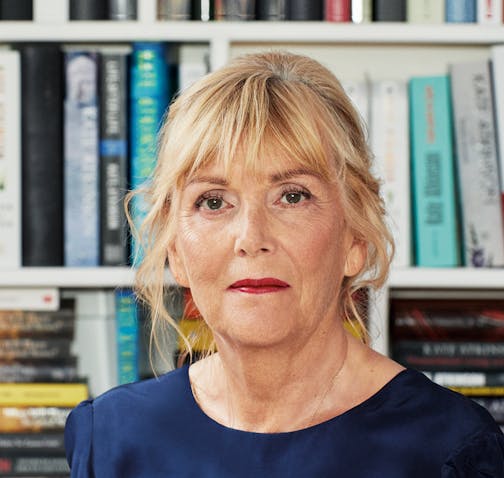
point(351, 51)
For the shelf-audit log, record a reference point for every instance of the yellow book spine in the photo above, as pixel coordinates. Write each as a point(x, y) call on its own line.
point(42, 394)
point(479, 391)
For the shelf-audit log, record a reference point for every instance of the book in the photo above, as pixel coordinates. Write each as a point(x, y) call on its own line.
point(497, 391)
point(362, 11)
point(425, 11)
point(42, 154)
point(55, 11)
point(234, 10)
point(271, 10)
point(389, 10)
point(35, 348)
point(38, 372)
point(467, 379)
point(28, 465)
point(497, 76)
point(305, 10)
point(337, 10)
point(42, 394)
point(359, 91)
point(88, 10)
point(477, 164)
point(202, 10)
point(193, 63)
point(122, 9)
point(33, 419)
point(10, 160)
point(148, 100)
point(127, 332)
point(174, 10)
point(81, 178)
point(113, 154)
point(389, 142)
point(95, 324)
point(489, 12)
point(435, 225)
point(460, 11)
point(49, 443)
point(16, 10)
point(495, 405)
point(29, 298)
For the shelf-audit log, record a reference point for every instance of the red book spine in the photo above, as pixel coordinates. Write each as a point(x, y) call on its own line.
point(338, 10)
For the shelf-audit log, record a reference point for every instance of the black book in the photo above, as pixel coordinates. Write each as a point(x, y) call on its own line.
point(305, 10)
point(113, 155)
point(25, 443)
point(16, 9)
point(271, 10)
point(389, 10)
point(202, 10)
point(88, 10)
point(42, 156)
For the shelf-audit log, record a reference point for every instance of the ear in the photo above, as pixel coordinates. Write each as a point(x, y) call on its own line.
point(176, 265)
point(355, 257)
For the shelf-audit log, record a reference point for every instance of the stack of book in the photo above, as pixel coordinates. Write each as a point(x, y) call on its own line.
point(457, 343)
point(39, 385)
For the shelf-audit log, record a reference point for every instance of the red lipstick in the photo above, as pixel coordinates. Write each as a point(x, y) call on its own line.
point(259, 286)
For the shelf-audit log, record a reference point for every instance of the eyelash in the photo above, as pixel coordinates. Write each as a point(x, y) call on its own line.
point(204, 197)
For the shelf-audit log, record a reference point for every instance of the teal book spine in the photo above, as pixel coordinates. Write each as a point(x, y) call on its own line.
point(127, 333)
point(148, 100)
point(434, 205)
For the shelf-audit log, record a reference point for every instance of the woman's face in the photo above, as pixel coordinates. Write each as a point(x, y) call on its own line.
point(264, 256)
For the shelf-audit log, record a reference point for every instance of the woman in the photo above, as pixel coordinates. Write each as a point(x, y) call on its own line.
point(264, 206)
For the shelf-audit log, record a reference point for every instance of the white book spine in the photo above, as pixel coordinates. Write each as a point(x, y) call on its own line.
point(358, 92)
point(361, 11)
point(10, 160)
point(476, 146)
point(389, 139)
point(50, 11)
point(194, 62)
point(489, 12)
point(29, 298)
point(147, 11)
point(497, 62)
point(425, 11)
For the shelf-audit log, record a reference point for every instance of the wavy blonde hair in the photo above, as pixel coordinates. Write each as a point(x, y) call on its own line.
point(287, 103)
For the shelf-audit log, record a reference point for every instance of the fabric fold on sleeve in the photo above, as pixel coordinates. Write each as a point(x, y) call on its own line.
point(78, 440)
point(482, 456)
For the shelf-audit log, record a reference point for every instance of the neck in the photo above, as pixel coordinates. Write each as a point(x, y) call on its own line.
point(276, 388)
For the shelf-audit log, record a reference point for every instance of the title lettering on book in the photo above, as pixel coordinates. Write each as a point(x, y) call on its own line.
point(113, 99)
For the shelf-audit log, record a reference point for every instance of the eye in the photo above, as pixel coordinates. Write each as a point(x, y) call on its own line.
point(210, 202)
point(291, 197)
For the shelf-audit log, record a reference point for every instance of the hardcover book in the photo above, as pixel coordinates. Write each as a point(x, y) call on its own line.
point(88, 10)
point(497, 75)
point(272, 10)
point(174, 10)
point(435, 227)
point(337, 10)
point(113, 155)
point(390, 145)
point(127, 332)
point(305, 10)
point(82, 236)
point(17, 419)
point(122, 9)
point(477, 164)
point(389, 10)
point(193, 63)
point(10, 160)
point(362, 11)
point(489, 12)
point(16, 10)
point(460, 11)
point(42, 153)
point(425, 11)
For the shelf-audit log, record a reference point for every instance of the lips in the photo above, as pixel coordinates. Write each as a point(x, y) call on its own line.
point(259, 286)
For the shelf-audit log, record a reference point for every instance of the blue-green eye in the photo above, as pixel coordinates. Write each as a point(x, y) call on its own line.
point(210, 202)
point(213, 203)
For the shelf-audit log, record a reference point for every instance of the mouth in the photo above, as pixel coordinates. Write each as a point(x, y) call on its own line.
point(259, 286)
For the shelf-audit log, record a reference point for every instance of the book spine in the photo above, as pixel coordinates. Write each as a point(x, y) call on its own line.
point(49, 443)
point(467, 379)
point(38, 373)
point(29, 349)
point(477, 164)
point(149, 98)
point(113, 157)
point(42, 153)
point(362, 11)
point(55, 11)
point(425, 11)
point(389, 10)
point(10, 160)
point(29, 298)
point(271, 10)
point(428, 348)
point(337, 10)
point(360, 94)
point(436, 242)
point(178, 10)
point(495, 405)
point(20, 323)
point(88, 10)
point(194, 63)
point(489, 12)
point(460, 11)
point(305, 10)
point(82, 239)
point(16, 10)
point(29, 419)
point(497, 75)
point(202, 10)
point(42, 394)
point(122, 10)
point(235, 10)
point(389, 140)
point(127, 336)
point(27, 465)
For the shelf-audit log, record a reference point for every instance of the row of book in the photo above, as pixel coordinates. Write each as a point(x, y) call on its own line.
point(80, 128)
point(356, 11)
point(459, 344)
point(438, 144)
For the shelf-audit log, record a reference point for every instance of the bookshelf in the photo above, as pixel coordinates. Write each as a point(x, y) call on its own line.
point(395, 49)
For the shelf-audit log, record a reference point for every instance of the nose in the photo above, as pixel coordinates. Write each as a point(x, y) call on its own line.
point(253, 232)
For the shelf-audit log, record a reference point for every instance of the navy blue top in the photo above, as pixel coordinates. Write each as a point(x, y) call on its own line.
point(410, 428)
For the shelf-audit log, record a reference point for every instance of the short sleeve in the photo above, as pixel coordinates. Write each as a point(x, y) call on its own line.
point(78, 439)
point(482, 456)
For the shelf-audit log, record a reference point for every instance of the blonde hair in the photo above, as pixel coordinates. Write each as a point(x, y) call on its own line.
point(275, 100)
